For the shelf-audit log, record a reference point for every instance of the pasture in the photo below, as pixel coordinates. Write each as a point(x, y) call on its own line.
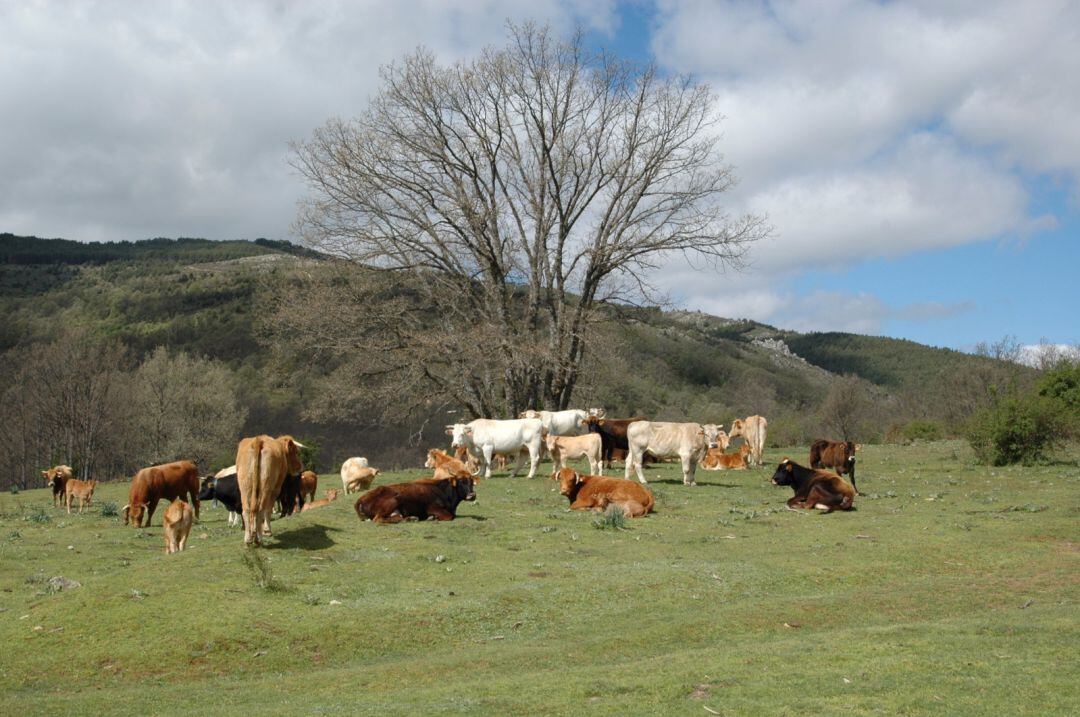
point(952, 589)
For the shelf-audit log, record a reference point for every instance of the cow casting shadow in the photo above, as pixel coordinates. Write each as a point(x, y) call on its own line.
point(310, 537)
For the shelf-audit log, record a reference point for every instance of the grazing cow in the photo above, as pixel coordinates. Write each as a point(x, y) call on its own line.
point(331, 496)
point(179, 479)
point(612, 435)
point(688, 441)
point(177, 523)
point(309, 483)
point(445, 465)
point(597, 493)
point(752, 429)
point(717, 460)
point(55, 478)
point(262, 463)
point(349, 469)
point(81, 489)
point(290, 499)
point(560, 423)
point(362, 478)
point(421, 499)
point(814, 488)
point(564, 448)
point(225, 489)
point(490, 436)
point(838, 455)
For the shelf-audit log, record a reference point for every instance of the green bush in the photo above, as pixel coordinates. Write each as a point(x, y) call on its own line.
point(1016, 429)
point(922, 431)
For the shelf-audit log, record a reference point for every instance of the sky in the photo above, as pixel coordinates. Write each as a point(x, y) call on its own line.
point(919, 162)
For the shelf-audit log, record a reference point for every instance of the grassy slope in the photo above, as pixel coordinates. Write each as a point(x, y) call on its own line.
point(950, 590)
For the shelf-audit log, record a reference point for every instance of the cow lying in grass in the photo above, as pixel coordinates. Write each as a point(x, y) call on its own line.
point(331, 496)
point(717, 460)
point(597, 493)
point(445, 465)
point(814, 488)
point(177, 523)
point(420, 499)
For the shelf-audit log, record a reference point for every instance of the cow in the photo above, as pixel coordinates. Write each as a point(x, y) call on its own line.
point(445, 465)
point(838, 455)
point(752, 429)
point(421, 499)
point(597, 493)
point(262, 463)
point(179, 479)
point(814, 488)
point(225, 489)
point(490, 436)
point(177, 524)
point(717, 460)
point(349, 469)
point(81, 489)
point(362, 478)
point(560, 423)
point(290, 499)
point(331, 496)
point(462, 454)
point(564, 448)
point(612, 435)
point(309, 483)
point(55, 478)
point(688, 441)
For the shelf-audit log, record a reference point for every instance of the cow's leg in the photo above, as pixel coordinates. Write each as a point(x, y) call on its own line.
point(637, 459)
point(534, 458)
point(517, 462)
point(439, 513)
point(150, 508)
point(486, 454)
point(688, 470)
point(194, 495)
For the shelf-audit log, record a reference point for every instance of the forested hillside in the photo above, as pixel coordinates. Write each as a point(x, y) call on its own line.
point(208, 304)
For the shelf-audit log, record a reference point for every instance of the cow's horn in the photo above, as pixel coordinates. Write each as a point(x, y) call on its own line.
point(299, 444)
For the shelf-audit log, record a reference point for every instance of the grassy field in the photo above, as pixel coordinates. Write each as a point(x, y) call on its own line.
point(951, 590)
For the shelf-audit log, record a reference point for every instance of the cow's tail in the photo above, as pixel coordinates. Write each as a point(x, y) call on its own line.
point(253, 465)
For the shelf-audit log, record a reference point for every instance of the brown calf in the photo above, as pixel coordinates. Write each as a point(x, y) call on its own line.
point(331, 496)
point(309, 483)
point(81, 489)
point(177, 523)
point(814, 488)
point(838, 455)
point(597, 493)
point(717, 460)
point(445, 465)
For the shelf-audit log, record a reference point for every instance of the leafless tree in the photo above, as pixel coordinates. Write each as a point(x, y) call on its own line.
point(510, 197)
point(847, 408)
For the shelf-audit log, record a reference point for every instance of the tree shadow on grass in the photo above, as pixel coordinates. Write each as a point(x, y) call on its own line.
point(310, 537)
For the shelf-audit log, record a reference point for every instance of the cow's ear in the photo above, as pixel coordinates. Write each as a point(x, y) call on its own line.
point(600, 422)
point(468, 430)
point(449, 431)
point(577, 477)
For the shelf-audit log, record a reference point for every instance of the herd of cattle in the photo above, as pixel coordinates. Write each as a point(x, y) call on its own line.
point(268, 472)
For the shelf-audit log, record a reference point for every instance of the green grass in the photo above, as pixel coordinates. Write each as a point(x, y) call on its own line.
point(951, 590)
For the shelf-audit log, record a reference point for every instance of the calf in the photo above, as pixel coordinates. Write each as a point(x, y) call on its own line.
point(56, 478)
point(838, 455)
point(331, 496)
point(361, 479)
point(309, 483)
point(445, 465)
point(462, 454)
point(717, 460)
point(597, 493)
point(420, 499)
point(81, 489)
point(564, 448)
point(612, 436)
point(814, 488)
point(224, 489)
point(177, 523)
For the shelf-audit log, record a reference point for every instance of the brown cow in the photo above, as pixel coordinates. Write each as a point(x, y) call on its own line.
point(262, 463)
point(178, 479)
point(309, 483)
point(814, 488)
point(717, 460)
point(445, 465)
point(55, 478)
point(597, 493)
point(331, 496)
point(612, 436)
point(177, 524)
point(421, 499)
point(81, 489)
point(838, 455)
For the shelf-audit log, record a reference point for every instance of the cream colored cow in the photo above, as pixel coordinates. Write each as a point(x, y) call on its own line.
point(564, 448)
point(752, 429)
point(688, 441)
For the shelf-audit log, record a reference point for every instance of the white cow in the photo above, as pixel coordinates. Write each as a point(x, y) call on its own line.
point(564, 448)
point(489, 437)
point(560, 423)
point(752, 429)
point(688, 441)
point(349, 470)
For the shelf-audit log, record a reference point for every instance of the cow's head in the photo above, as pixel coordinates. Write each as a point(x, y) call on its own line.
point(784, 474)
point(206, 492)
point(134, 513)
point(462, 435)
point(291, 448)
point(597, 412)
point(430, 462)
point(464, 487)
point(736, 428)
point(568, 479)
point(332, 494)
point(712, 433)
point(531, 413)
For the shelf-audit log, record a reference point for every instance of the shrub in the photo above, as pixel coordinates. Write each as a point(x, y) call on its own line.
point(1014, 430)
point(110, 509)
point(38, 514)
point(614, 517)
point(922, 431)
